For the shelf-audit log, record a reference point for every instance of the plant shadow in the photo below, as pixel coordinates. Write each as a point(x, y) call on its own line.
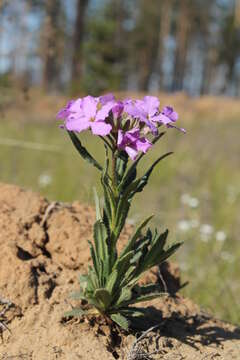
point(193, 330)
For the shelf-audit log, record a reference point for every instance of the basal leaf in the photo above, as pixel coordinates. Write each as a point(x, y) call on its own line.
point(120, 320)
point(77, 312)
point(112, 280)
point(103, 297)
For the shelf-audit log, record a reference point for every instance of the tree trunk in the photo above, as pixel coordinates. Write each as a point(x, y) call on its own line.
point(182, 36)
point(165, 28)
point(51, 45)
point(209, 68)
point(78, 39)
point(149, 38)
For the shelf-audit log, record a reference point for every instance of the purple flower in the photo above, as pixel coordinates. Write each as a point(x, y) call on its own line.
point(117, 109)
point(65, 112)
point(104, 99)
point(132, 143)
point(168, 116)
point(146, 111)
point(88, 113)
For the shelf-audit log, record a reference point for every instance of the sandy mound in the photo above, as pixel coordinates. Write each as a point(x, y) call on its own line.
point(43, 249)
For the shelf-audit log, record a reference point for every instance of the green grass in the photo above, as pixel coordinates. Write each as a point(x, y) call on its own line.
point(205, 166)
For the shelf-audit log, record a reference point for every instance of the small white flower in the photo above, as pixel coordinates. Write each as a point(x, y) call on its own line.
point(221, 236)
point(184, 225)
point(193, 202)
point(44, 180)
point(185, 199)
point(206, 229)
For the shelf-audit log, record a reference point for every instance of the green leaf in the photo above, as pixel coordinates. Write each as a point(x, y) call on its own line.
point(142, 298)
point(94, 258)
point(77, 312)
point(82, 278)
point(101, 245)
point(100, 240)
point(122, 265)
point(132, 241)
point(83, 151)
point(78, 295)
point(124, 296)
point(112, 280)
point(97, 205)
point(120, 320)
point(103, 297)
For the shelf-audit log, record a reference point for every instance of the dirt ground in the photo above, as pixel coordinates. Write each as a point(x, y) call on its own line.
point(43, 250)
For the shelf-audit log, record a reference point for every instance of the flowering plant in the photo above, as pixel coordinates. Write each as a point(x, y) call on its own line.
point(128, 129)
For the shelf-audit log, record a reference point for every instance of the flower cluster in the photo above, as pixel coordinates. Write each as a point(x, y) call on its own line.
point(130, 125)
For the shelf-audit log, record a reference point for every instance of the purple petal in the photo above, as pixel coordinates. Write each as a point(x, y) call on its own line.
point(151, 105)
point(106, 98)
point(76, 106)
point(89, 106)
point(63, 113)
point(100, 128)
point(103, 113)
point(162, 119)
point(169, 112)
point(151, 126)
point(132, 110)
point(143, 145)
point(133, 153)
point(117, 109)
point(120, 141)
point(78, 125)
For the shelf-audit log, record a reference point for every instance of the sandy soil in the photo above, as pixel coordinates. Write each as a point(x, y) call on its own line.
point(43, 250)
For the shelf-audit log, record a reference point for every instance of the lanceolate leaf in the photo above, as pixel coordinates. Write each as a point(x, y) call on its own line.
point(101, 248)
point(142, 298)
point(75, 312)
point(112, 281)
point(134, 238)
point(83, 151)
point(103, 297)
point(94, 258)
point(97, 205)
point(125, 295)
point(120, 320)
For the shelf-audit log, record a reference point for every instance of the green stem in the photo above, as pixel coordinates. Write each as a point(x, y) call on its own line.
point(114, 178)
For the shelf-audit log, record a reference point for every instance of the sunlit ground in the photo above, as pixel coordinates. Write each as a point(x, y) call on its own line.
point(195, 192)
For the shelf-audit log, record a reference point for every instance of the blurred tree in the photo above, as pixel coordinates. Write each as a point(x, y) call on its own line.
point(164, 32)
point(53, 44)
point(183, 26)
point(78, 35)
point(105, 50)
point(229, 50)
point(146, 40)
